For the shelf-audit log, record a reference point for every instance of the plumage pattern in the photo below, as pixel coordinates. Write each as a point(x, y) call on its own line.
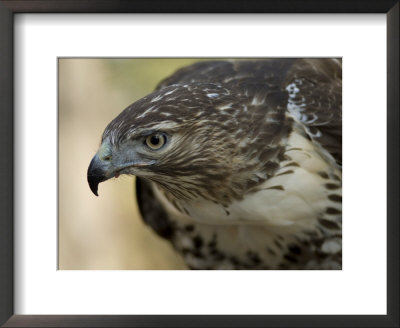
point(250, 173)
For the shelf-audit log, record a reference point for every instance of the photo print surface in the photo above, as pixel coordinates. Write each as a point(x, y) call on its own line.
point(200, 163)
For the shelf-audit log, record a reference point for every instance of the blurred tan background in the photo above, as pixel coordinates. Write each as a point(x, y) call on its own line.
point(104, 232)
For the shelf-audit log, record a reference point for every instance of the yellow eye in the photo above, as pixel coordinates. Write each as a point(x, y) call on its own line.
point(156, 141)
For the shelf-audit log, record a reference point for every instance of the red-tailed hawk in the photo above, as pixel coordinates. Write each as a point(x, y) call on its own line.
point(238, 163)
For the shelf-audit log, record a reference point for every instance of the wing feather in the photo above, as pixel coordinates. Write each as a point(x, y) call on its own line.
point(152, 211)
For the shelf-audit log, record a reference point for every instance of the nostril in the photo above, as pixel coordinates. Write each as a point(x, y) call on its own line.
point(107, 158)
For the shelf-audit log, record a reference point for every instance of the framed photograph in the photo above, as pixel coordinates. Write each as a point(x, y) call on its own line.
point(227, 216)
point(93, 94)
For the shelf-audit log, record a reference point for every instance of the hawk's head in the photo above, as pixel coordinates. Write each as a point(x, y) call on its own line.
point(195, 140)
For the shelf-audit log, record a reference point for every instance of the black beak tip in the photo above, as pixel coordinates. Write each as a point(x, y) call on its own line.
point(93, 187)
point(94, 176)
point(93, 181)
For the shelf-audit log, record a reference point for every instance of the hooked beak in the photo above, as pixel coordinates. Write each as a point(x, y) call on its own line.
point(101, 170)
point(96, 173)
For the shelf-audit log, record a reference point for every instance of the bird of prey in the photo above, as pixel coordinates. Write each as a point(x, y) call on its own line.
point(238, 163)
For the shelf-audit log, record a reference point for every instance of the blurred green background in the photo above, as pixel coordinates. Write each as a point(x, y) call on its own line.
point(104, 232)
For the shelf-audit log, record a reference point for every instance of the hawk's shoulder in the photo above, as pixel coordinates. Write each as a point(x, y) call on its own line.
point(315, 100)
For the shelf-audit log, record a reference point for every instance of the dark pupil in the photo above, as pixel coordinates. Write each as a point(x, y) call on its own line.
point(155, 140)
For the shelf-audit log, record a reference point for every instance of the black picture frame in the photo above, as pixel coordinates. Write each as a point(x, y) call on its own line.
point(11, 7)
